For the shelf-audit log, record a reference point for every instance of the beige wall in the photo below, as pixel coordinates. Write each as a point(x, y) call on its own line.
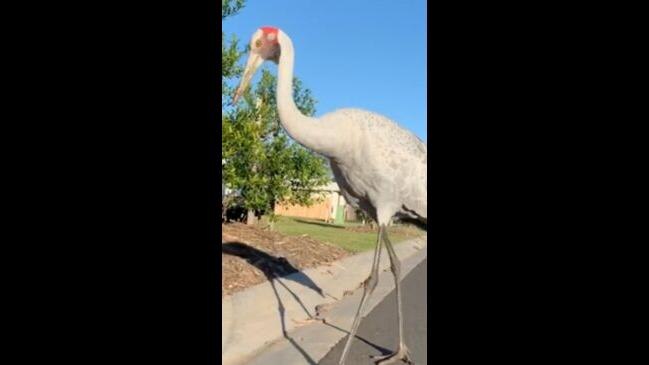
point(320, 210)
point(325, 210)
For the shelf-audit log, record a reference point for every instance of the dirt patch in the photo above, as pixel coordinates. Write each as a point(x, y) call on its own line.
point(250, 255)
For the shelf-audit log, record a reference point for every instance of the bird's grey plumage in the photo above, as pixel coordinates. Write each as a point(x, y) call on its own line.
point(379, 166)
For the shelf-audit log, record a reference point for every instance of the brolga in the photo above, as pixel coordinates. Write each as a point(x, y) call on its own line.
point(379, 166)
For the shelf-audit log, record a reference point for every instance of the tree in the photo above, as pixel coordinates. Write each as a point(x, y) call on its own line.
point(262, 163)
point(231, 7)
point(230, 53)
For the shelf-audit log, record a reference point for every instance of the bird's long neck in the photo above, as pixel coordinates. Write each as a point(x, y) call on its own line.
point(306, 130)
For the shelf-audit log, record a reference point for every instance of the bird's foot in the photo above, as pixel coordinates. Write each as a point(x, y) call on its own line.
point(401, 355)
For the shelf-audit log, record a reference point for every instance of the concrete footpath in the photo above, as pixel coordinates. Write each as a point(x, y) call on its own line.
point(273, 322)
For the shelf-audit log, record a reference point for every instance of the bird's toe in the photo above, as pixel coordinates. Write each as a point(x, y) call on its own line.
point(403, 354)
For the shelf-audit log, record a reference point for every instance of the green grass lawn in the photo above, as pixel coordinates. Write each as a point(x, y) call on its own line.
point(338, 235)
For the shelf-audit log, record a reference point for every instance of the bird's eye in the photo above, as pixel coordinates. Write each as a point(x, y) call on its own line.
point(258, 43)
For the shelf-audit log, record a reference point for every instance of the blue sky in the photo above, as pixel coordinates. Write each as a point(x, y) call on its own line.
point(368, 54)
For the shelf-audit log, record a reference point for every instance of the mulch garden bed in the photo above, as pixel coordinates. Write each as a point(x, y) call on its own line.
point(252, 255)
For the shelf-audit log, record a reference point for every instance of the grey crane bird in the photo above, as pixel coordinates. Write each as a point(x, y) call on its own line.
point(379, 166)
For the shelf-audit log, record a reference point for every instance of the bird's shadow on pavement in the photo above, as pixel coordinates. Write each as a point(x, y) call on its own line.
point(275, 268)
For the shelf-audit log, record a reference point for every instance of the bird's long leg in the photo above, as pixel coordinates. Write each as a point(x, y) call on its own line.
point(402, 353)
point(368, 287)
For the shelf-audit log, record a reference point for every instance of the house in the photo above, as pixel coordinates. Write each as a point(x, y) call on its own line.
point(330, 209)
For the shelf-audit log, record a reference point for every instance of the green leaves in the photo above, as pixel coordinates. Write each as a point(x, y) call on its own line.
point(230, 53)
point(231, 7)
point(229, 56)
point(262, 162)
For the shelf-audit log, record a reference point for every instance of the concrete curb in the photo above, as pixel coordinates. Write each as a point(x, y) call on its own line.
point(252, 324)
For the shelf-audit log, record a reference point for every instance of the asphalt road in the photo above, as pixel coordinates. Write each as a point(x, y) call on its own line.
point(379, 332)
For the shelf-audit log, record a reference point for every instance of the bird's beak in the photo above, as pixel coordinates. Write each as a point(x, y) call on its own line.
point(254, 61)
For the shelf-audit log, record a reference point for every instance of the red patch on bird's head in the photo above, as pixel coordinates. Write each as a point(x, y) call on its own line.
point(270, 33)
